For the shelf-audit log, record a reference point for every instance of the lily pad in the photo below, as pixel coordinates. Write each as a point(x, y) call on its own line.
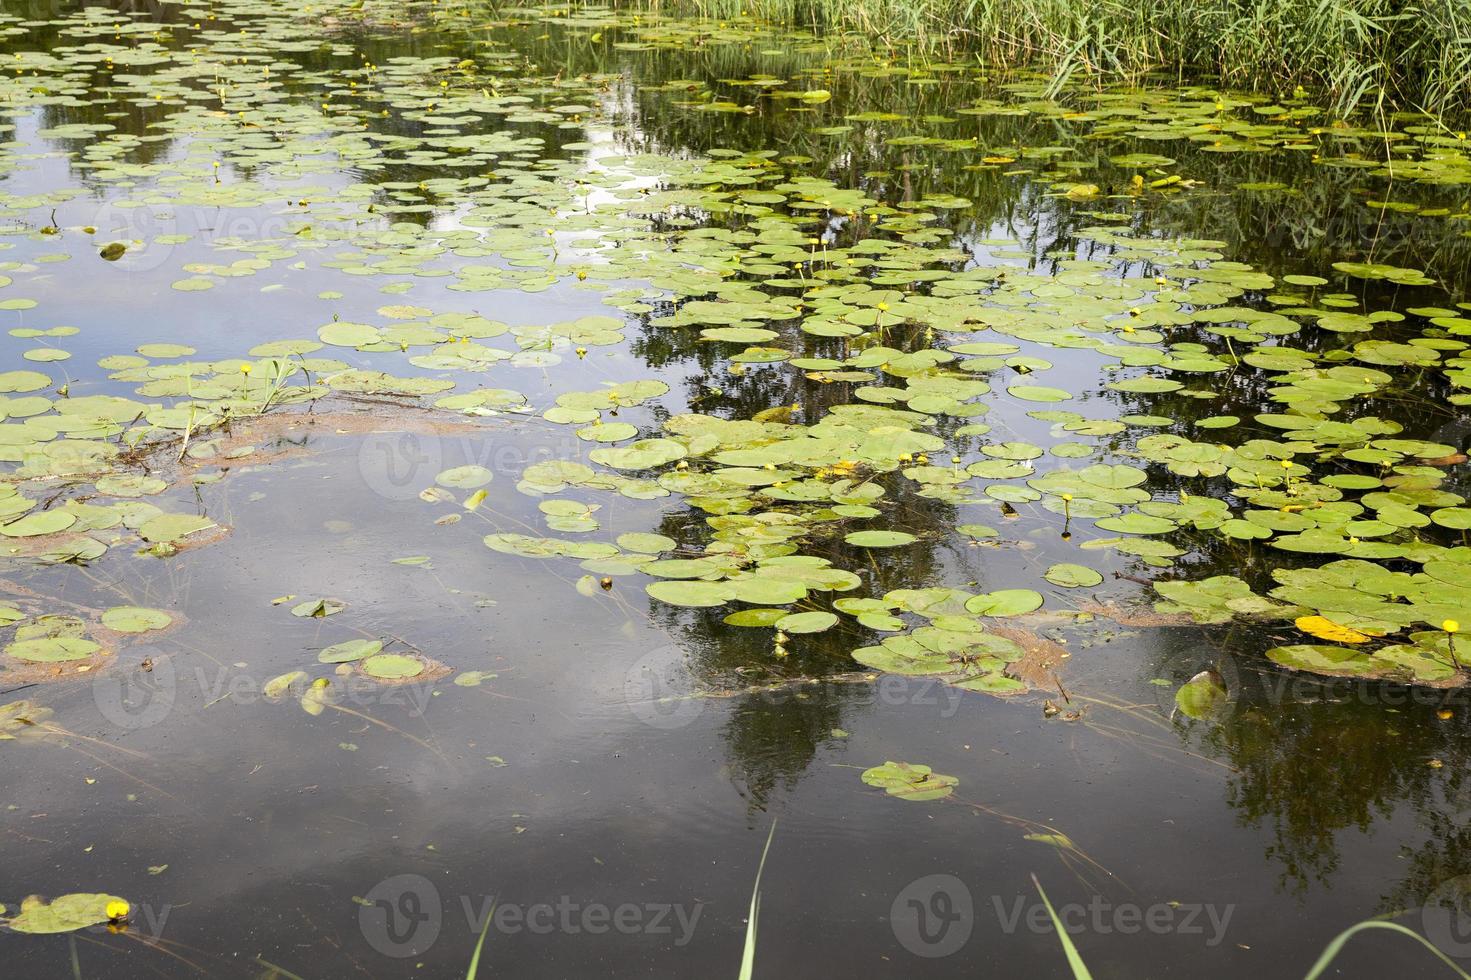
point(879, 539)
point(1071, 576)
point(464, 477)
point(910, 781)
point(67, 913)
point(807, 622)
point(173, 527)
point(135, 619)
point(393, 666)
point(349, 650)
point(52, 649)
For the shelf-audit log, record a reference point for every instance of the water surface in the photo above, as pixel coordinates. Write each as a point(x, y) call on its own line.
point(610, 775)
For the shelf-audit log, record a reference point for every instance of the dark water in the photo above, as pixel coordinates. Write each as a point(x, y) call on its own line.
point(611, 787)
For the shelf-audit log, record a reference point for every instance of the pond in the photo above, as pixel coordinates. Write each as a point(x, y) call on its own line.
point(484, 473)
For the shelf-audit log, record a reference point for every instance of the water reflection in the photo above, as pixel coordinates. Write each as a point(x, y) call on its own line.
point(1312, 778)
point(1320, 769)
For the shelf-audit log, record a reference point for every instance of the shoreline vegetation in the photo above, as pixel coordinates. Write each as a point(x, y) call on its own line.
point(1361, 55)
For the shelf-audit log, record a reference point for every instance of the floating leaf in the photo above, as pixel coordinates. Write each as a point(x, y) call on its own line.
point(392, 666)
point(464, 477)
point(348, 651)
point(1325, 629)
point(1038, 393)
point(1005, 602)
point(31, 525)
point(1071, 576)
point(1202, 697)
point(318, 608)
point(756, 617)
point(695, 594)
point(910, 781)
point(173, 527)
point(641, 542)
point(67, 913)
point(807, 622)
point(293, 682)
point(135, 619)
point(879, 539)
point(52, 649)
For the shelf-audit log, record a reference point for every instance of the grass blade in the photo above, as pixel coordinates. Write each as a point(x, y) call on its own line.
point(277, 971)
point(748, 958)
point(1074, 960)
point(1336, 946)
point(475, 959)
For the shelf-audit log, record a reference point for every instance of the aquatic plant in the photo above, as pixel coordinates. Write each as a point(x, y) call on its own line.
point(1325, 959)
point(1365, 54)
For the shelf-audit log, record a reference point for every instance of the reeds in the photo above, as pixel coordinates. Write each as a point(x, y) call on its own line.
point(1358, 54)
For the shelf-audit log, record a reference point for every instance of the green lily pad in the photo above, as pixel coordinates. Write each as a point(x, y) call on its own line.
point(135, 619)
point(879, 539)
point(1202, 697)
point(392, 666)
point(1005, 602)
point(293, 682)
point(52, 649)
point(910, 781)
point(756, 617)
point(173, 527)
point(1038, 393)
point(1071, 576)
point(32, 525)
point(67, 913)
point(693, 594)
point(807, 622)
point(464, 477)
point(644, 543)
point(349, 650)
point(318, 608)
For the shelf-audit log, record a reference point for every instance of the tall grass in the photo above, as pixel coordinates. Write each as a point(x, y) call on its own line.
point(1360, 54)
